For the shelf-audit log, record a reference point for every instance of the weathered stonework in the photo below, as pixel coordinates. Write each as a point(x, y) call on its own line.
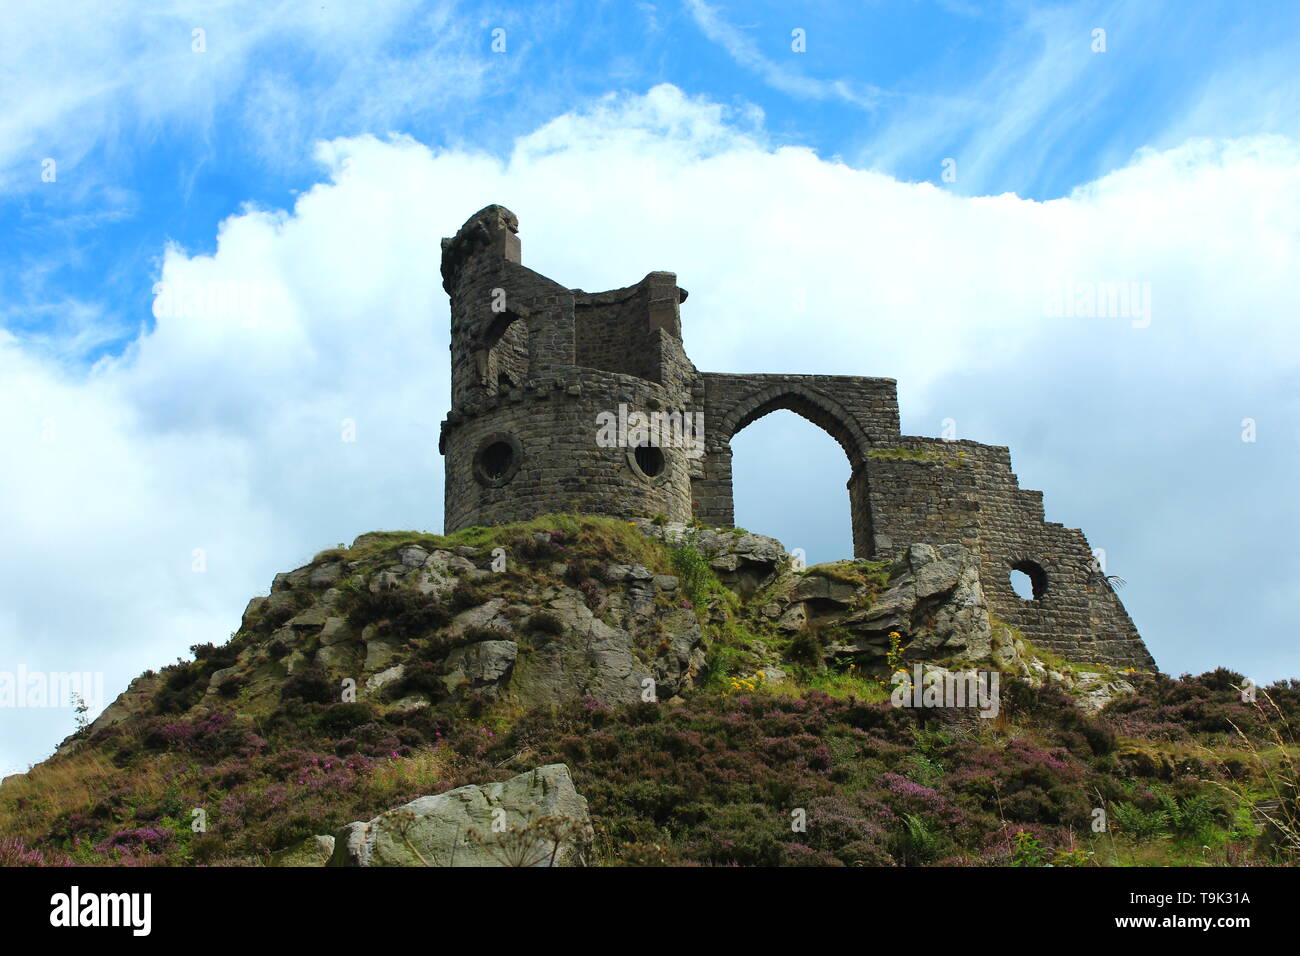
point(534, 364)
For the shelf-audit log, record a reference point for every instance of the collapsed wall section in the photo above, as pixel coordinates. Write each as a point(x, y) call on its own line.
point(933, 491)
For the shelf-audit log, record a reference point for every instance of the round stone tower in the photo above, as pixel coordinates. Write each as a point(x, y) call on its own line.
point(562, 400)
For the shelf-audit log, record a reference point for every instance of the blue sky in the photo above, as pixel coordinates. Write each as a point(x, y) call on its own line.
point(320, 150)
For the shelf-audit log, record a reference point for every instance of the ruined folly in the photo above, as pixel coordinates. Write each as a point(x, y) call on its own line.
point(537, 369)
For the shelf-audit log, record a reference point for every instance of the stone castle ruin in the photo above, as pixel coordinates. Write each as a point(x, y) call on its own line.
point(540, 370)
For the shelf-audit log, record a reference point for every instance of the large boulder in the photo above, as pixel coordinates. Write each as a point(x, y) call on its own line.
point(481, 666)
point(587, 656)
point(933, 601)
point(535, 819)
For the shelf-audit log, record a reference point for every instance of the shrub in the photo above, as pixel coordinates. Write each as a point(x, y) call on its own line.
point(692, 569)
point(465, 596)
point(311, 685)
point(399, 611)
point(1138, 823)
point(341, 718)
point(420, 677)
point(231, 686)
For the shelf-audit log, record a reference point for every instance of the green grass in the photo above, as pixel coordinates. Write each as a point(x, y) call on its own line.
point(936, 455)
point(858, 573)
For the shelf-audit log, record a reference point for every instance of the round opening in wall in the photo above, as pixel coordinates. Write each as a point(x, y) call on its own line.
point(497, 460)
point(1028, 580)
point(650, 460)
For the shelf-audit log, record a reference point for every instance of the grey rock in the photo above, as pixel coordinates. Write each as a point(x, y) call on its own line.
point(455, 828)
point(485, 615)
point(314, 616)
point(592, 658)
point(726, 563)
point(483, 665)
point(435, 582)
point(795, 617)
point(378, 654)
point(385, 581)
point(296, 662)
point(252, 612)
point(413, 556)
point(934, 600)
point(675, 670)
point(280, 601)
point(336, 631)
point(326, 575)
point(616, 573)
point(410, 704)
point(341, 657)
point(311, 851)
point(378, 682)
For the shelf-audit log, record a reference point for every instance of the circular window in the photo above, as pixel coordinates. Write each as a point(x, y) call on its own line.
point(1028, 580)
point(497, 460)
point(648, 462)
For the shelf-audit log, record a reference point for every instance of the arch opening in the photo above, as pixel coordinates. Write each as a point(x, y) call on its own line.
point(789, 481)
point(506, 340)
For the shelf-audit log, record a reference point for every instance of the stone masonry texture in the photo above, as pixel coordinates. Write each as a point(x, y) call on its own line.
point(534, 364)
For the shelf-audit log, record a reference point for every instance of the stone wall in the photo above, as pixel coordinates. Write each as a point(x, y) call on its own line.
point(961, 492)
point(534, 364)
point(625, 330)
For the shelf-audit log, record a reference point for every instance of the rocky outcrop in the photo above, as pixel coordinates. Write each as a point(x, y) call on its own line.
point(542, 647)
point(535, 819)
point(411, 625)
point(933, 601)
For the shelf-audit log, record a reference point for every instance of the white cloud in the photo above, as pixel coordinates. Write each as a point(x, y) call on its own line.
point(209, 434)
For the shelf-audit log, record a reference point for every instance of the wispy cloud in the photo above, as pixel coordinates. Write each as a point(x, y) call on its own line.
point(1058, 104)
point(113, 78)
point(783, 77)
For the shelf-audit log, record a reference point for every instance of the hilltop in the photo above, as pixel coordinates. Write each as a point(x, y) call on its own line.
point(712, 704)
